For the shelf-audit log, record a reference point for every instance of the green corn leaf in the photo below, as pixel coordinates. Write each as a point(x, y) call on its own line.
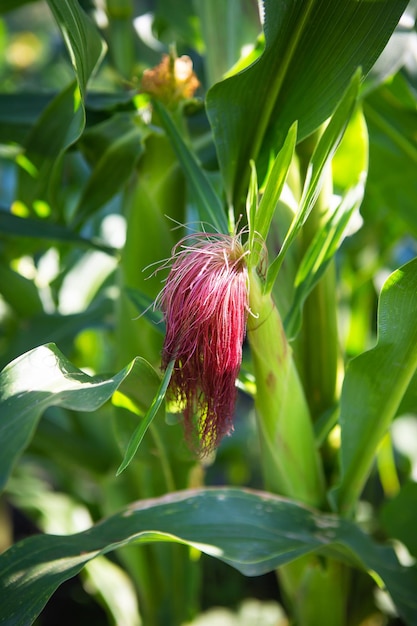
point(318, 256)
point(9, 5)
point(84, 44)
point(252, 531)
point(376, 382)
point(273, 188)
point(312, 50)
point(320, 160)
point(140, 431)
point(208, 203)
point(59, 126)
point(42, 378)
point(225, 36)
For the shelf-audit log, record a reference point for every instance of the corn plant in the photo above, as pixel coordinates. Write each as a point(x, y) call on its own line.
point(208, 297)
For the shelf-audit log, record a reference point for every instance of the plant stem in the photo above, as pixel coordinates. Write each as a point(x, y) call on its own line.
point(290, 460)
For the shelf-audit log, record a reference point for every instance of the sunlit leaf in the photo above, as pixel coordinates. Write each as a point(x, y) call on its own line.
point(84, 44)
point(320, 160)
point(37, 380)
point(252, 531)
point(312, 50)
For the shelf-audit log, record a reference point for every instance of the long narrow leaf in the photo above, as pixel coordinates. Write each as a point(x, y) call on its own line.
point(320, 160)
point(84, 44)
point(208, 203)
point(140, 431)
point(273, 189)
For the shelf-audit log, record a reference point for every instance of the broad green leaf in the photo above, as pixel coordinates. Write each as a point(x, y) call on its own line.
point(320, 160)
point(252, 531)
point(140, 431)
point(37, 380)
point(376, 382)
point(312, 50)
point(84, 44)
point(209, 205)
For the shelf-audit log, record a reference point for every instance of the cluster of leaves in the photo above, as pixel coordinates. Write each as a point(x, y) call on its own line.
point(88, 183)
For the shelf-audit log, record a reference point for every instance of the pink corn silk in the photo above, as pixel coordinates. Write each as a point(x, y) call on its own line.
point(205, 305)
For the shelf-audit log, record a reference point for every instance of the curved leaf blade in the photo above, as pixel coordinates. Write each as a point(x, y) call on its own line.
point(63, 120)
point(376, 382)
point(41, 378)
point(260, 218)
point(85, 46)
point(252, 531)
